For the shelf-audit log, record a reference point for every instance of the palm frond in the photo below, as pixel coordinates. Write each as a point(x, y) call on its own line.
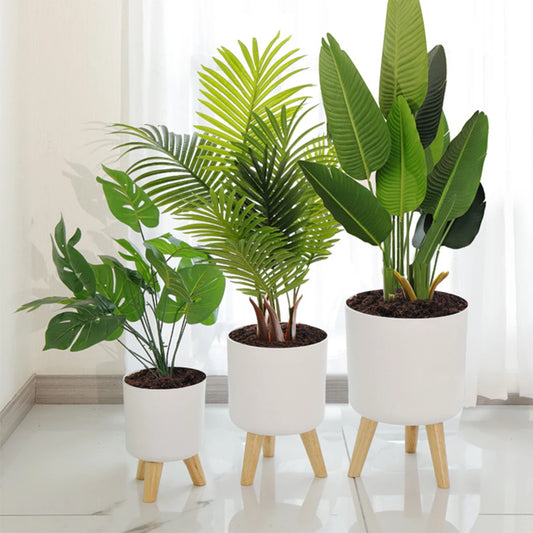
point(172, 168)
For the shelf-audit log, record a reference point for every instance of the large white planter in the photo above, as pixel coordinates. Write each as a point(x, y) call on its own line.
point(407, 371)
point(164, 425)
point(276, 391)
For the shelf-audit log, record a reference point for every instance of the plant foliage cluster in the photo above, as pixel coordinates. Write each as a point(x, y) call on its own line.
point(419, 186)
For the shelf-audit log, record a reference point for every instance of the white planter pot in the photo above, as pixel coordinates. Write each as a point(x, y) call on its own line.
point(165, 424)
point(407, 371)
point(276, 391)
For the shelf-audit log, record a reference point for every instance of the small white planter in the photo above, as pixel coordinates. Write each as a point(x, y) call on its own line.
point(407, 371)
point(276, 391)
point(164, 425)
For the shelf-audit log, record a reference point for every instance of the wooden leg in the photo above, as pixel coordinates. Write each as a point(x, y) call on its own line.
point(251, 456)
point(411, 438)
point(140, 470)
point(269, 445)
point(152, 477)
point(438, 454)
point(365, 434)
point(194, 466)
point(312, 447)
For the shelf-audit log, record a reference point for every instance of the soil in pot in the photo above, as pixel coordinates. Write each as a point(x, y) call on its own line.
point(305, 335)
point(181, 377)
point(372, 303)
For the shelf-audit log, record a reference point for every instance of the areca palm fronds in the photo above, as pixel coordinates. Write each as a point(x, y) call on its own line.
point(174, 172)
point(238, 185)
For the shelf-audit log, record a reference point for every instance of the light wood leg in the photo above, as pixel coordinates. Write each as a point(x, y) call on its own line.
point(269, 446)
point(411, 438)
point(437, 446)
point(312, 447)
point(194, 466)
point(140, 470)
point(365, 434)
point(152, 477)
point(251, 456)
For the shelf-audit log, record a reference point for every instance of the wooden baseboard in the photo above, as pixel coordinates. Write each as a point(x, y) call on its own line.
point(15, 411)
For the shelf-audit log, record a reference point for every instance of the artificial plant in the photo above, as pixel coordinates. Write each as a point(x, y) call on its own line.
point(405, 145)
point(171, 283)
point(237, 183)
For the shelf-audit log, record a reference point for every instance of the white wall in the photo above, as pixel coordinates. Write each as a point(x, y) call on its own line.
point(61, 82)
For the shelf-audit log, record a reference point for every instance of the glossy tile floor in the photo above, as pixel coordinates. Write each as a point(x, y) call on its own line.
point(65, 469)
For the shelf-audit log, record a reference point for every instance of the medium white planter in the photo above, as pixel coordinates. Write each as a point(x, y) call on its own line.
point(407, 371)
point(164, 425)
point(276, 391)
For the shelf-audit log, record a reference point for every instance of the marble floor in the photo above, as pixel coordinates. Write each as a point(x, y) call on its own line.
point(65, 469)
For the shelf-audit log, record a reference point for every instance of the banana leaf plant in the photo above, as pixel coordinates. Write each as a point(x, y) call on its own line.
point(235, 183)
point(397, 161)
point(152, 294)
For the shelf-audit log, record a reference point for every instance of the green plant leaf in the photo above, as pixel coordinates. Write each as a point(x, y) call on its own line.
point(428, 117)
point(455, 178)
point(117, 287)
point(169, 308)
point(404, 66)
point(128, 202)
point(205, 284)
point(401, 182)
point(352, 205)
point(72, 268)
point(132, 254)
point(464, 229)
point(80, 330)
point(439, 144)
point(169, 245)
point(355, 122)
point(35, 304)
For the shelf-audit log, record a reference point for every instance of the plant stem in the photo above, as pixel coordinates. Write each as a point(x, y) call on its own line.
point(178, 341)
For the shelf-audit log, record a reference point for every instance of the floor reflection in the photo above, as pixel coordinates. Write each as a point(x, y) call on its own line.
point(263, 512)
point(411, 519)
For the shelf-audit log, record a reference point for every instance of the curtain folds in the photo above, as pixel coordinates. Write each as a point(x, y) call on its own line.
point(489, 50)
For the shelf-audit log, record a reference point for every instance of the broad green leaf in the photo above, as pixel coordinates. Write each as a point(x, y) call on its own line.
point(464, 229)
point(136, 257)
point(404, 66)
point(72, 268)
point(455, 178)
point(31, 306)
point(355, 122)
point(80, 330)
point(401, 182)
point(205, 284)
point(128, 202)
point(428, 117)
point(116, 286)
point(170, 308)
point(352, 205)
point(170, 245)
point(439, 145)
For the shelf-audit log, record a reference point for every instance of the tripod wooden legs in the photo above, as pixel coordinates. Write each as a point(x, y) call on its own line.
point(252, 451)
point(437, 446)
point(150, 472)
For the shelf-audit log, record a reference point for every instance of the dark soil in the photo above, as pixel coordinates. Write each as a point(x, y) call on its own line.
point(181, 377)
point(305, 335)
point(372, 303)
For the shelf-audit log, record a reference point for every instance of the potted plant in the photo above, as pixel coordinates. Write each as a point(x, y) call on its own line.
point(242, 194)
point(406, 348)
point(170, 285)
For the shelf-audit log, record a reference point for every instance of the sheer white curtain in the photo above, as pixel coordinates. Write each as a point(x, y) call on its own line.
point(488, 45)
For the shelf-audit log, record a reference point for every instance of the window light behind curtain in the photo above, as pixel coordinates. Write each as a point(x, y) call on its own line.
point(489, 51)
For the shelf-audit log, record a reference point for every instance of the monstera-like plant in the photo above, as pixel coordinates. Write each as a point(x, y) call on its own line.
point(152, 293)
point(403, 143)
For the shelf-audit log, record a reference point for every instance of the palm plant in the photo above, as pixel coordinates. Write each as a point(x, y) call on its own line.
point(109, 298)
point(405, 141)
point(237, 182)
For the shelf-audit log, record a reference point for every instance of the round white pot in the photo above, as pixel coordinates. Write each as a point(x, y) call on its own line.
point(165, 424)
point(407, 371)
point(276, 391)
